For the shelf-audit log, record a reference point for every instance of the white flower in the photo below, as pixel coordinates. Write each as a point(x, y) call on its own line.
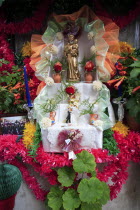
point(59, 36)
point(45, 123)
point(49, 81)
point(98, 123)
point(93, 50)
point(97, 85)
point(90, 35)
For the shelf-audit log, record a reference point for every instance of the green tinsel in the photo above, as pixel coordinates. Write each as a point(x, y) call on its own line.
point(36, 141)
point(109, 142)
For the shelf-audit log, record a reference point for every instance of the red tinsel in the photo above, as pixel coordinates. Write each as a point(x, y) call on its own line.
point(115, 168)
point(28, 24)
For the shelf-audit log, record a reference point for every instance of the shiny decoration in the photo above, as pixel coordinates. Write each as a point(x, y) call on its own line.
point(126, 47)
point(121, 128)
point(71, 53)
point(26, 49)
point(69, 140)
point(28, 134)
point(120, 107)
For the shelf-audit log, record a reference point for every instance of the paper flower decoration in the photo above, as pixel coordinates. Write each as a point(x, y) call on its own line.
point(49, 81)
point(97, 85)
point(45, 123)
point(89, 66)
point(69, 140)
point(93, 50)
point(90, 35)
point(59, 36)
point(57, 67)
point(70, 90)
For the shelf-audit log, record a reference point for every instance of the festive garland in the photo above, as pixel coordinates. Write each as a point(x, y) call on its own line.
point(28, 24)
point(116, 169)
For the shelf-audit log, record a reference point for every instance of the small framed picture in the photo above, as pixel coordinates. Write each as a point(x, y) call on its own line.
point(12, 125)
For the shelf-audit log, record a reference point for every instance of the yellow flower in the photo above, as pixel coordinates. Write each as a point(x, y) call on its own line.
point(28, 134)
point(126, 48)
point(121, 128)
point(26, 49)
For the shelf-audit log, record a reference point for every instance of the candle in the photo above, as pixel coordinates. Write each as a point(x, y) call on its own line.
point(27, 89)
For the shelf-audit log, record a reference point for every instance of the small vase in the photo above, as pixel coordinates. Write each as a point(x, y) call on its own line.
point(52, 117)
point(88, 77)
point(57, 77)
point(93, 118)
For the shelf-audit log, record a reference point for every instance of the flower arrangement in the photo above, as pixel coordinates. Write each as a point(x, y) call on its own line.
point(69, 140)
point(74, 191)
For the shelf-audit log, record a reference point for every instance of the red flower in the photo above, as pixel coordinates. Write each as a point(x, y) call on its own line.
point(70, 90)
point(89, 66)
point(57, 67)
point(119, 66)
point(17, 95)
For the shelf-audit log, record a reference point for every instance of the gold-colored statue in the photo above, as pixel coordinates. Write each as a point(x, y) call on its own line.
point(71, 53)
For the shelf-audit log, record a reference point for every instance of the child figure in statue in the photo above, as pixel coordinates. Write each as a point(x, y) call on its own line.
point(71, 53)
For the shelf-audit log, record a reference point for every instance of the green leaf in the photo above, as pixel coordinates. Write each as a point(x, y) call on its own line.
point(91, 206)
point(90, 190)
point(71, 200)
point(135, 72)
point(93, 191)
point(55, 198)
point(106, 193)
point(66, 176)
point(135, 64)
point(85, 162)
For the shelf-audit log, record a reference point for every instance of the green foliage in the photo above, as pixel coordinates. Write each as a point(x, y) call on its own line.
point(84, 194)
point(109, 142)
point(85, 162)
point(71, 199)
point(66, 176)
point(36, 141)
point(86, 107)
point(55, 198)
point(49, 106)
point(93, 190)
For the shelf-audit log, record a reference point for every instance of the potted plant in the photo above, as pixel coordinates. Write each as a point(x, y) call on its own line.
point(78, 187)
point(88, 108)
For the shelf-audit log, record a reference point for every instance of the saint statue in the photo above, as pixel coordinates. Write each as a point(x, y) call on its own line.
point(71, 53)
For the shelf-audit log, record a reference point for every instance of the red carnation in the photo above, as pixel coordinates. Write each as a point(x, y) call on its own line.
point(89, 66)
point(70, 90)
point(57, 67)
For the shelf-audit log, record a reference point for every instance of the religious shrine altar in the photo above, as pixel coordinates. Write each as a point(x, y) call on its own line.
point(76, 137)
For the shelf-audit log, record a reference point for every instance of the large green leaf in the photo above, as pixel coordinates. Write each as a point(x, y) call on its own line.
point(93, 191)
point(85, 162)
point(55, 198)
point(91, 206)
point(90, 190)
point(135, 64)
point(71, 200)
point(66, 176)
point(135, 72)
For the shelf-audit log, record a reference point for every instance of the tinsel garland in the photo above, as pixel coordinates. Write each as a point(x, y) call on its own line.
point(28, 24)
point(116, 168)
